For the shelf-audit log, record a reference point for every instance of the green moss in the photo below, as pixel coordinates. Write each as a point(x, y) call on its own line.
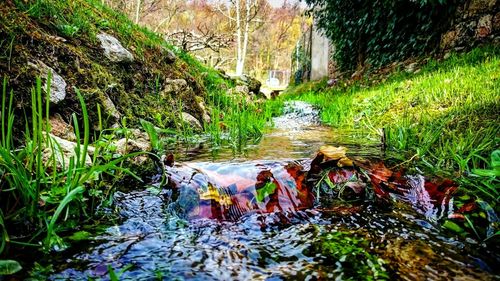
point(348, 257)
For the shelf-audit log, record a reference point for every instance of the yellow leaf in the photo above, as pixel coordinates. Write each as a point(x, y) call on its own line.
point(345, 162)
point(333, 153)
point(212, 193)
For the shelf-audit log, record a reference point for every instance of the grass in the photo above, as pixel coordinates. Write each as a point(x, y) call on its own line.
point(444, 118)
point(38, 189)
point(237, 120)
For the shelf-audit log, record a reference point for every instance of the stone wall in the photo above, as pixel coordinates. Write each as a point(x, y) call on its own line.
point(476, 21)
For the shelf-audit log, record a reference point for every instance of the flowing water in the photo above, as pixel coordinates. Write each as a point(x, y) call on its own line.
point(283, 233)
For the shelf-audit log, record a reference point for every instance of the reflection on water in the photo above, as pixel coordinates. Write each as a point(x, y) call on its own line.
point(274, 246)
point(296, 134)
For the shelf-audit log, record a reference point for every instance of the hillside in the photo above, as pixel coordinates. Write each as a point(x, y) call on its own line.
point(145, 78)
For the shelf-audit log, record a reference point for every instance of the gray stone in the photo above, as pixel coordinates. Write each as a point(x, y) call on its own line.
point(241, 89)
point(170, 57)
point(113, 49)
point(252, 83)
point(201, 104)
point(495, 22)
point(411, 68)
point(126, 146)
point(139, 135)
point(61, 151)
point(484, 26)
point(174, 86)
point(192, 121)
point(480, 6)
point(59, 128)
point(110, 108)
point(57, 83)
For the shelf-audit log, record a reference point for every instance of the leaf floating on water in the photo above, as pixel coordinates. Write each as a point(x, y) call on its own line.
point(333, 153)
point(8, 267)
point(213, 193)
point(265, 191)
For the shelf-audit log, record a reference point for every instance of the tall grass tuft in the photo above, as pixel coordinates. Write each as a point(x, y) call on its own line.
point(34, 189)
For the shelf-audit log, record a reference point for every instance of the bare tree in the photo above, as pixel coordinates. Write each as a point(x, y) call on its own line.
point(243, 13)
point(202, 38)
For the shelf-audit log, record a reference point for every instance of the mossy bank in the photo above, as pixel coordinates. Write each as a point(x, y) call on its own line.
point(151, 81)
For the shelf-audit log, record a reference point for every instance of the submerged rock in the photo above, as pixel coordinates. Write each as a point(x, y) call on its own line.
point(113, 49)
point(57, 83)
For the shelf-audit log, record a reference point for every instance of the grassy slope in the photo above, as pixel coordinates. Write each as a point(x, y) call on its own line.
point(444, 118)
point(62, 34)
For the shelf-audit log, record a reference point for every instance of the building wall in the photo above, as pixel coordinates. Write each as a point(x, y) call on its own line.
point(320, 55)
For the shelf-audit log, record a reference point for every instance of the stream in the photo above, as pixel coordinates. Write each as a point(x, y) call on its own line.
point(158, 235)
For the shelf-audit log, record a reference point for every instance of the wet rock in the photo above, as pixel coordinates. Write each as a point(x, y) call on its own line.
point(61, 151)
point(59, 128)
point(57, 83)
point(484, 26)
point(113, 49)
point(174, 86)
point(192, 121)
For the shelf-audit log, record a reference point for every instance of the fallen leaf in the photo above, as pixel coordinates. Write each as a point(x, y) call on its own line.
point(345, 162)
point(333, 153)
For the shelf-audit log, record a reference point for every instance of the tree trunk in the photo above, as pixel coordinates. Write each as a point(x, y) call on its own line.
point(137, 11)
point(239, 61)
point(245, 36)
